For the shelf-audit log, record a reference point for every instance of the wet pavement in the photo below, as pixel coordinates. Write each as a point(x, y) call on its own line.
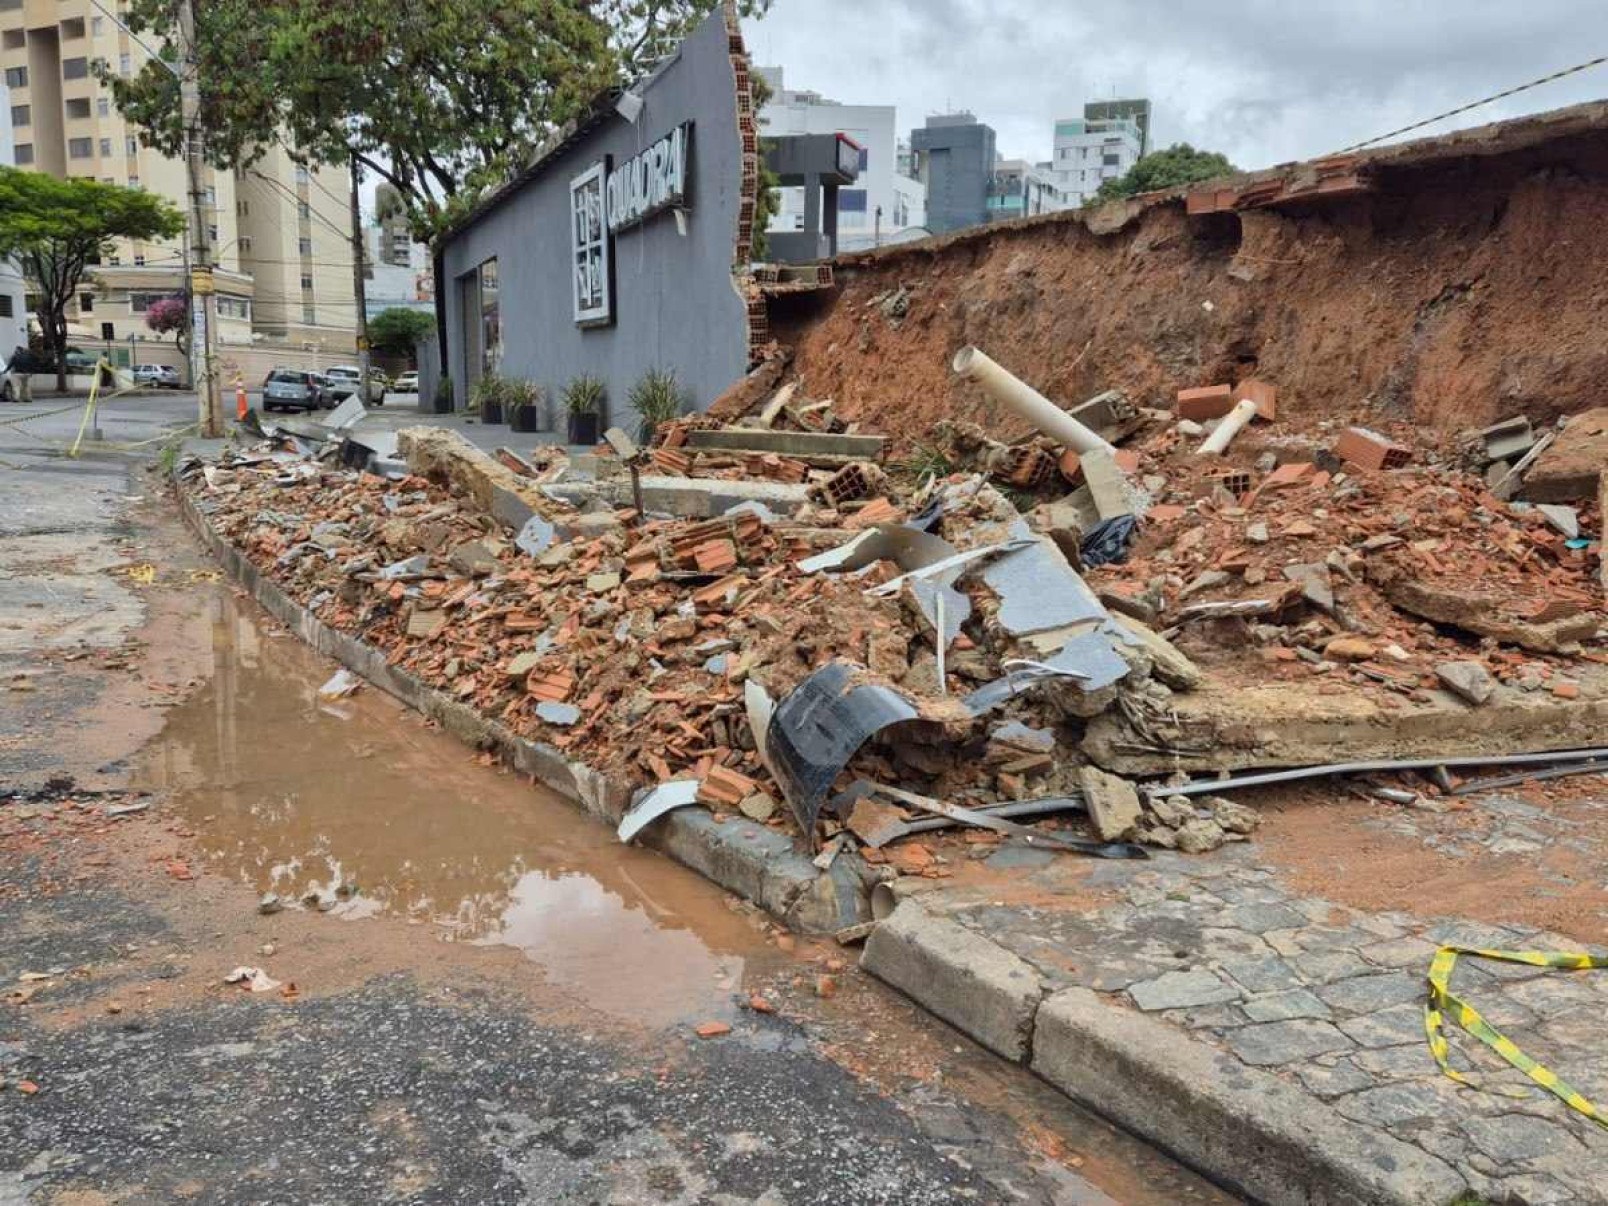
point(485, 998)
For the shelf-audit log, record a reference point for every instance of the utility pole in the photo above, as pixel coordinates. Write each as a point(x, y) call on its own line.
point(359, 294)
point(203, 295)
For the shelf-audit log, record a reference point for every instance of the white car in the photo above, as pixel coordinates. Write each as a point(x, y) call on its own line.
point(344, 378)
point(406, 383)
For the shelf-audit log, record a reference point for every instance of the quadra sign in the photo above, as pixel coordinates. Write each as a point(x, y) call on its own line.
point(653, 180)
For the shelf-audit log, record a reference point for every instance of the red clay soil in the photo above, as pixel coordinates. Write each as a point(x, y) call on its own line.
point(1462, 289)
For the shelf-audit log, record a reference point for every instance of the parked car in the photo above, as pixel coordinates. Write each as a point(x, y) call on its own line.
point(344, 379)
point(80, 362)
point(161, 376)
point(294, 389)
point(406, 383)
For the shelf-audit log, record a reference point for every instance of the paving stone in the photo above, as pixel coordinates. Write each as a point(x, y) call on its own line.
point(1019, 857)
point(1259, 918)
point(1182, 990)
point(1284, 1042)
point(1207, 1017)
point(1325, 967)
point(1537, 1189)
point(1400, 952)
point(1262, 975)
point(1283, 941)
point(1344, 1077)
point(1282, 1006)
point(1329, 938)
point(1369, 994)
point(1315, 908)
point(1218, 944)
point(1390, 1106)
point(1388, 1027)
point(1472, 934)
point(1510, 1137)
point(1406, 1061)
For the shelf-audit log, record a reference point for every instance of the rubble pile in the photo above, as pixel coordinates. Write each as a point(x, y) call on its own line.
point(922, 642)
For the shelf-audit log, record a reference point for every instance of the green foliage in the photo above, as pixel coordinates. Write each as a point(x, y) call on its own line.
point(585, 395)
point(441, 99)
point(168, 459)
point(658, 397)
point(510, 393)
point(397, 329)
point(443, 391)
point(57, 230)
point(519, 394)
point(925, 460)
point(1178, 164)
point(488, 389)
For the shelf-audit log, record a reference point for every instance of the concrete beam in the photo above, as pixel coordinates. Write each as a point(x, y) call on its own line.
point(789, 443)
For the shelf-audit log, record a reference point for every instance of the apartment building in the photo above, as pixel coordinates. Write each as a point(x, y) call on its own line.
point(1019, 189)
point(885, 201)
point(279, 268)
point(1091, 150)
point(13, 312)
point(954, 157)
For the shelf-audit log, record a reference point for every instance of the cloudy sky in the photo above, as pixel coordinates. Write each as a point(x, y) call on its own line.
point(1264, 81)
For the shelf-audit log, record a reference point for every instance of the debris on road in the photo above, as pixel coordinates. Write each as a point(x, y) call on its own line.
point(252, 979)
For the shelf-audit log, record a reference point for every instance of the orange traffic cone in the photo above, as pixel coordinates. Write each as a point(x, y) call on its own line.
point(240, 403)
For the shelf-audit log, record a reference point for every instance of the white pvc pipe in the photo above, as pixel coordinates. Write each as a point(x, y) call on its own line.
point(1026, 401)
point(1233, 423)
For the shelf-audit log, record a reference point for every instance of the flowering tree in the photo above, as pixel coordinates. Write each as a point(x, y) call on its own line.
point(171, 316)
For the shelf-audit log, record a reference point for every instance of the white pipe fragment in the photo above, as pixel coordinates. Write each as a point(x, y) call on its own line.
point(1012, 392)
point(1233, 423)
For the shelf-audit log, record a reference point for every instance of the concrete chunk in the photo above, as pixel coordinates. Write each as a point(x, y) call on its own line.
point(1107, 483)
point(1166, 662)
point(1113, 803)
point(970, 982)
point(1470, 681)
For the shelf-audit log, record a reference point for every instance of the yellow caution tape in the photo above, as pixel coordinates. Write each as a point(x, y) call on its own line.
point(1442, 1004)
point(142, 574)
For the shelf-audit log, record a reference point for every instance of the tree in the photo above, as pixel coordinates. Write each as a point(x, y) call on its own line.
point(57, 230)
point(396, 330)
point(441, 99)
point(171, 316)
point(1178, 164)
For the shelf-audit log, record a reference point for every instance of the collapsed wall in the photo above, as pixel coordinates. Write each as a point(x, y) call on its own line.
point(1464, 279)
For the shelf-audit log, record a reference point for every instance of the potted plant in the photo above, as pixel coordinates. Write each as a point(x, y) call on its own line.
point(443, 396)
point(583, 399)
point(657, 398)
point(525, 402)
point(487, 398)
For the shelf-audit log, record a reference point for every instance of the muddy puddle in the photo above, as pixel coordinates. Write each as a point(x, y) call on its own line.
point(311, 798)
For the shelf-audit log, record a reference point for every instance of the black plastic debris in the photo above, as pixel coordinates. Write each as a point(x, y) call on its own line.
point(1107, 542)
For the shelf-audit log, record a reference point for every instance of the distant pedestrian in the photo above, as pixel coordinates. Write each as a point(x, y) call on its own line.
point(18, 376)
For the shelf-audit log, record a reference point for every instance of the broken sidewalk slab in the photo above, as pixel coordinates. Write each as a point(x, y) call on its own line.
point(655, 803)
point(1037, 587)
point(818, 729)
point(1481, 611)
point(801, 445)
point(1088, 660)
point(347, 414)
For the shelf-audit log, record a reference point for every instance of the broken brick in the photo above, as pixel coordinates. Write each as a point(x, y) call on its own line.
point(669, 461)
point(1369, 451)
point(878, 510)
point(1287, 475)
point(725, 788)
point(1260, 392)
point(1205, 402)
point(554, 687)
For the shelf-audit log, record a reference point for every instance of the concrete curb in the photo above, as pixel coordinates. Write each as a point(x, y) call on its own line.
point(758, 864)
point(1245, 1129)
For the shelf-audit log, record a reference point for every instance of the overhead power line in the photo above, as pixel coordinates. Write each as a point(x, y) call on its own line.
point(1429, 121)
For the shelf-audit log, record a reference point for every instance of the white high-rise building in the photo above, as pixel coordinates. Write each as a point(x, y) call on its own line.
point(1090, 151)
point(885, 203)
point(13, 309)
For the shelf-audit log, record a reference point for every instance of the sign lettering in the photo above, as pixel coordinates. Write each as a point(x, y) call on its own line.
point(649, 182)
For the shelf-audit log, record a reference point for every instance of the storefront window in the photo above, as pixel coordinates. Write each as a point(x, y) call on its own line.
point(491, 345)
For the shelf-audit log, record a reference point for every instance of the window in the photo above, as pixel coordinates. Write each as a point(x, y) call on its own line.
point(303, 211)
point(106, 146)
point(131, 145)
point(24, 154)
point(86, 303)
point(75, 69)
point(115, 261)
point(1110, 160)
point(103, 107)
point(138, 303)
point(21, 115)
point(7, 307)
point(125, 65)
point(16, 77)
point(72, 27)
point(8, 6)
point(108, 179)
point(234, 307)
point(133, 180)
point(306, 281)
point(212, 197)
point(108, 332)
point(14, 39)
point(851, 200)
point(77, 106)
point(97, 26)
point(245, 243)
point(139, 259)
point(305, 246)
point(242, 208)
point(80, 148)
point(212, 233)
point(309, 315)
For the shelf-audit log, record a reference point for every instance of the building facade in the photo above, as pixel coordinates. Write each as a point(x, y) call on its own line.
point(1089, 151)
point(623, 247)
point(954, 158)
point(1019, 189)
point(13, 306)
point(1135, 109)
point(884, 202)
point(283, 261)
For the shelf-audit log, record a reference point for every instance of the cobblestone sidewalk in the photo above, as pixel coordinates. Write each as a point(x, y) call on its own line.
point(1331, 999)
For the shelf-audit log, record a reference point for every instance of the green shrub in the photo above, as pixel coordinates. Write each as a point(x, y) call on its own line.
point(490, 388)
point(444, 389)
point(517, 392)
point(585, 395)
point(658, 397)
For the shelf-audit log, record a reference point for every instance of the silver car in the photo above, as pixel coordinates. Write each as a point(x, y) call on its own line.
point(294, 389)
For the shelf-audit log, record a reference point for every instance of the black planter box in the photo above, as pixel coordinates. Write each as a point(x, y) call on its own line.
point(525, 419)
point(440, 404)
point(584, 428)
point(491, 412)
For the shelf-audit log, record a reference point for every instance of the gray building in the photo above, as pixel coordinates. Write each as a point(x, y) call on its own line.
point(622, 247)
point(955, 159)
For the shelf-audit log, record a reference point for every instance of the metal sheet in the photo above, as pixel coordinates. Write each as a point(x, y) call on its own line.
point(667, 797)
point(943, 568)
point(819, 727)
point(1087, 659)
point(908, 548)
point(1038, 589)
